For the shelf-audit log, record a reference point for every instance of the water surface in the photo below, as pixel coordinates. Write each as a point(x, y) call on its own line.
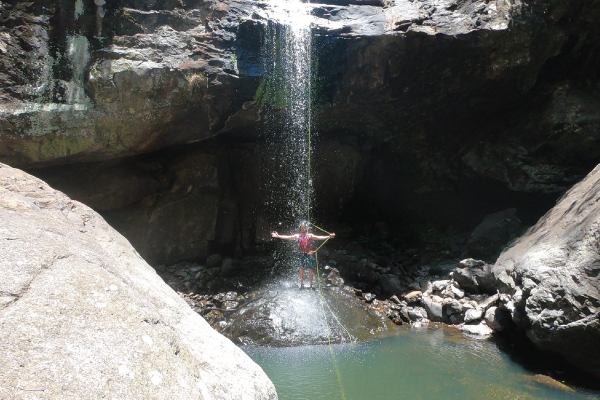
point(410, 364)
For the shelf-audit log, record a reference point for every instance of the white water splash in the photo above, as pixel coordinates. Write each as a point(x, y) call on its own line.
point(288, 49)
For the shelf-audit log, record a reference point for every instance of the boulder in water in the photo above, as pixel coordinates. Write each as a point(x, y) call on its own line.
point(550, 277)
point(416, 313)
point(480, 329)
point(498, 319)
point(473, 315)
point(433, 308)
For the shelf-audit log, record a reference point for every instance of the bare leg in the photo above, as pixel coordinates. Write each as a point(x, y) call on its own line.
point(310, 276)
point(302, 277)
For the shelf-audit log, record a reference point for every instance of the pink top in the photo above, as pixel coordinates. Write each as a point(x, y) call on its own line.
point(304, 244)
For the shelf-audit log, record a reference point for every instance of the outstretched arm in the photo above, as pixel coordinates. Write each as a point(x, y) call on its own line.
point(315, 237)
point(285, 237)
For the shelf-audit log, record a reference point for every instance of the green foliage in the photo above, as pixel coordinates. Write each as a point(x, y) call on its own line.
point(260, 91)
point(271, 92)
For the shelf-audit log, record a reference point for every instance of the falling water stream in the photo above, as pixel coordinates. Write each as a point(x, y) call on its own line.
point(406, 363)
point(287, 92)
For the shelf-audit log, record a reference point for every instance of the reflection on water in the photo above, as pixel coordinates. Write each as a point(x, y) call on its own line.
point(411, 364)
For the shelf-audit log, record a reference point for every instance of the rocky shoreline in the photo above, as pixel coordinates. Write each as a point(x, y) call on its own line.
point(414, 285)
point(461, 297)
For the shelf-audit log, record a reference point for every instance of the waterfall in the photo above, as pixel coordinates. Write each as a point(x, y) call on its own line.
point(287, 94)
point(295, 315)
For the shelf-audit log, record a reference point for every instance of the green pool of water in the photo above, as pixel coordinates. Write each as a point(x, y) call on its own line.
point(409, 364)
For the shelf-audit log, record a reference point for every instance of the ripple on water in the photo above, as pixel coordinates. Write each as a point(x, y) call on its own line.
point(413, 364)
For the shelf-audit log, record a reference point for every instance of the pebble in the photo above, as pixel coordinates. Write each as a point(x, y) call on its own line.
point(368, 297)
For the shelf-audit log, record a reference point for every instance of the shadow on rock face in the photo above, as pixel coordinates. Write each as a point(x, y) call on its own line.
point(283, 315)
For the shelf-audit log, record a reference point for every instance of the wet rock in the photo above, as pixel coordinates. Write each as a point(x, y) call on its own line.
point(453, 307)
point(498, 319)
point(456, 319)
point(395, 299)
point(439, 286)
point(416, 313)
point(230, 305)
point(549, 382)
point(334, 278)
point(471, 263)
point(477, 279)
point(495, 231)
point(473, 315)
point(286, 316)
point(368, 297)
point(480, 329)
point(433, 308)
point(483, 305)
point(367, 275)
point(390, 284)
point(395, 317)
point(181, 274)
point(413, 296)
point(214, 261)
point(229, 268)
point(339, 166)
point(551, 278)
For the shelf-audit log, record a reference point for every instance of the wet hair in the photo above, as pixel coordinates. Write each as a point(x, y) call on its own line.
point(303, 224)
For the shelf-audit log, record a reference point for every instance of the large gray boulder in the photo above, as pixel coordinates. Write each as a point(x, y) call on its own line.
point(390, 284)
point(82, 315)
point(549, 278)
point(475, 279)
point(493, 232)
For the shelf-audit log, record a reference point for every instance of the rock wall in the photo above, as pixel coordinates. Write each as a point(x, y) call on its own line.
point(426, 112)
point(510, 106)
point(83, 316)
point(549, 277)
point(90, 80)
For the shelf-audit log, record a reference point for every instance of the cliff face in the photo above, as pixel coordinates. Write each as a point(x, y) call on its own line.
point(97, 80)
point(442, 111)
point(549, 282)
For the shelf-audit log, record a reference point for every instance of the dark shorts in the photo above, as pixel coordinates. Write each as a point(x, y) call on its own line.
point(306, 260)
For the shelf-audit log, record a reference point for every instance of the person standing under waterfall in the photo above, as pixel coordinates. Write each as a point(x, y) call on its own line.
point(305, 254)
